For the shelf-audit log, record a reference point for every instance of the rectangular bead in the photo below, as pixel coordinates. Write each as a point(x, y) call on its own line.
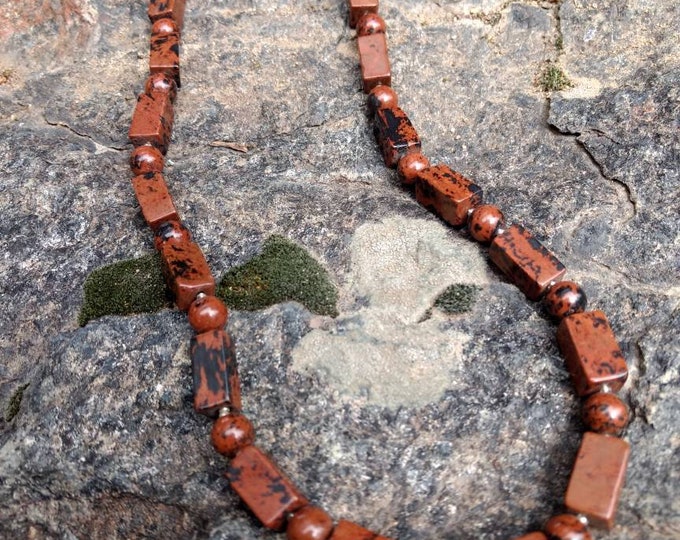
point(154, 199)
point(448, 192)
point(346, 530)
point(358, 7)
point(395, 135)
point(533, 536)
point(216, 381)
point(170, 9)
point(186, 271)
point(525, 261)
point(591, 352)
point(164, 55)
point(152, 121)
point(597, 478)
point(263, 487)
point(374, 61)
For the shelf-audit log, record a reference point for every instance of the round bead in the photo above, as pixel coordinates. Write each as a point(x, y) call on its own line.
point(382, 97)
point(169, 231)
point(409, 167)
point(567, 527)
point(164, 26)
point(146, 159)
point(565, 298)
point(484, 222)
point(231, 433)
point(309, 523)
point(207, 313)
point(371, 23)
point(161, 83)
point(605, 413)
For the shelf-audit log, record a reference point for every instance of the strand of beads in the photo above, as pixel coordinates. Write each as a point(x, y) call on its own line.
point(592, 354)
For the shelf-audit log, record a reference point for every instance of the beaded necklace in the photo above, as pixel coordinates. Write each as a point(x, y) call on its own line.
point(592, 355)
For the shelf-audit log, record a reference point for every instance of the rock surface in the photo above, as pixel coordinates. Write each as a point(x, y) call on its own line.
point(105, 443)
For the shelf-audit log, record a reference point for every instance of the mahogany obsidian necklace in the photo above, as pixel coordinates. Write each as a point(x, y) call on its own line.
point(592, 355)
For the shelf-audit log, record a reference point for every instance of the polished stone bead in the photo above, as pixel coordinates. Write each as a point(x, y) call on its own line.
point(410, 166)
point(152, 121)
point(167, 9)
point(565, 298)
point(592, 355)
point(566, 527)
point(357, 8)
point(374, 61)
point(605, 413)
point(532, 536)
point(171, 231)
point(309, 523)
point(154, 199)
point(161, 83)
point(207, 313)
point(145, 159)
point(216, 381)
point(269, 494)
point(448, 192)
point(395, 135)
point(346, 530)
point(231, 433)
point(164, 55)
point(371, 23)
point(525, 261)
point(597, 478)
point(484, 222)
point(382, 97)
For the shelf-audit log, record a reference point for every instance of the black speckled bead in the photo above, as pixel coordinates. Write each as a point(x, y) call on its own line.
point(565, 298)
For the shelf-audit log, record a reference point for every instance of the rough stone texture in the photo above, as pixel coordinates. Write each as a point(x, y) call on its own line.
point(106, 444)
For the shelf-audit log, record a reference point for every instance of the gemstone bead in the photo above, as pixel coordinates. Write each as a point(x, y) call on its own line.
point(154, 199)
point(374, 62)
point(395, 134)
point(162, 84)
point(167, 9)
point(525, 261)
point(357, 8)
point(484, 222)
point(231, 433)
point(565, 298)
point(207, 313)
point(410, 166)
point(164, 26)
point(145, 159)
point(152, 121)
point(309, 523)
point(346, 530)
point(597, 478)
point(269, 494)
point(171, 231)
point(216, 380)
point(566, 527)
point(371, 23)
point(382, 97)
point(164, 55)
point(592, 355)
point(605, 413)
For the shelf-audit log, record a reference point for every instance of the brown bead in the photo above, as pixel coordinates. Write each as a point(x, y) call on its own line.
point(231, 433)
point(395, 134)
point(269, 494)
point(374, 62)
point(154, 199)
point(152, 121)
point(145, 159)
point(597, 478)
point(171, 231)
point(565, 298)
point(164, 55)
point(371, 23)
point(309, 523)
point(532, 536)
point(357, 8)
point(161, 83)
point(590, 350)
point(216, 380)
point(484, 222)
point(605, 413)
point(167, 9)
point(346, 530)
point(382, 97)
point(566, 527)
point(410, 166)
point(207, 313)
point(448, 192)
point(525, 261)
point(164, 26)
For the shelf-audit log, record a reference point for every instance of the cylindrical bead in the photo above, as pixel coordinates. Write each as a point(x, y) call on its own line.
point(410, 166)
point(566, 527)
point(145, 159)
point(154, 199)
point(371, 23)
point(484, 222)
point(152, 121)
point(565, 298)
point(231, 433)
point(605, 413)
point(207, 313)
point(448, 193)
point(374, 61)
point(309, 523)
point(395, 134)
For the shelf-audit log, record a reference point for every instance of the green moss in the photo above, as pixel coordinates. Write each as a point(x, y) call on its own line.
point(457, 298)
point(15, 402)
point(559, 43)
point(282, 272)
point(134, 286)
point(553, 79)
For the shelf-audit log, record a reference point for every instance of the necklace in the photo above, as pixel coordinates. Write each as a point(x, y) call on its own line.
point(592, 355)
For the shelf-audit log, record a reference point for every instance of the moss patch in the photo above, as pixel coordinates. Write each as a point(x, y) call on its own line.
point(134, 286)
point(15, 402)
point(282, 272)
point(553, 79)
point(457, 299)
